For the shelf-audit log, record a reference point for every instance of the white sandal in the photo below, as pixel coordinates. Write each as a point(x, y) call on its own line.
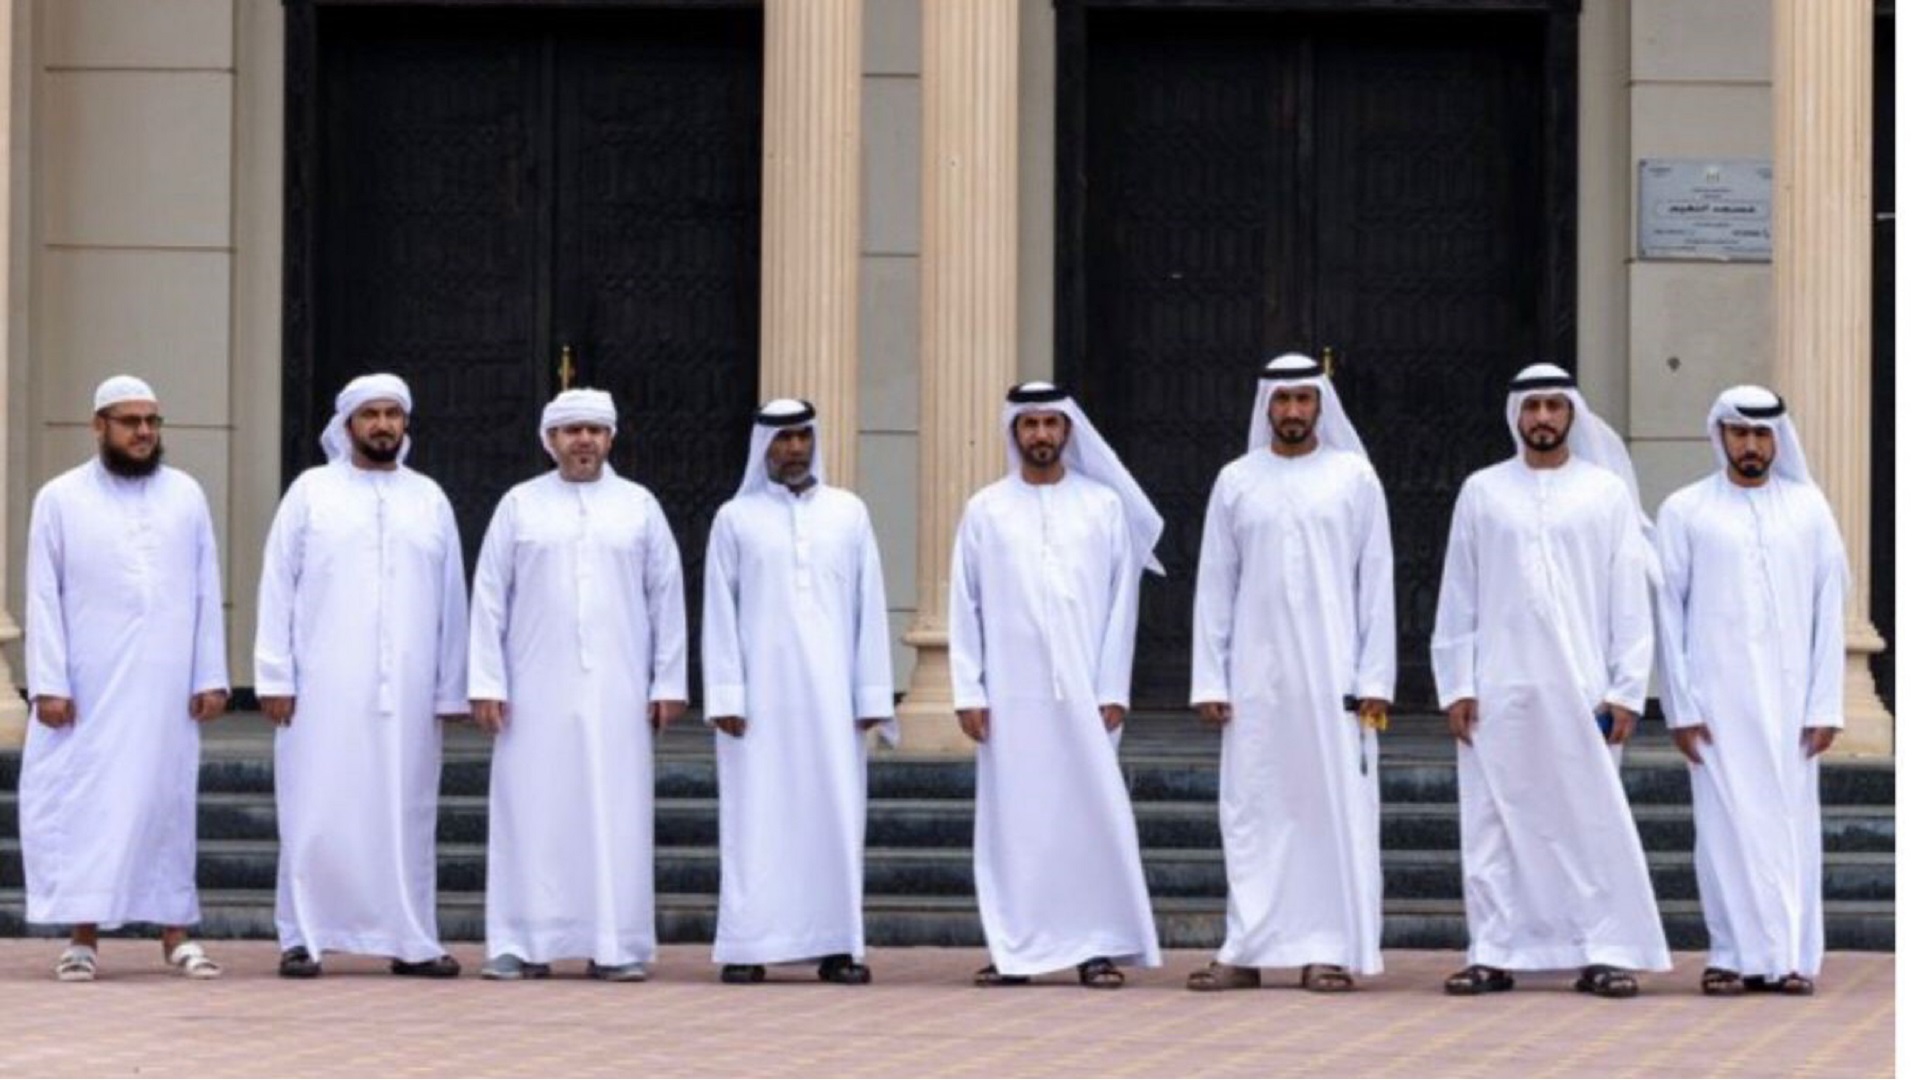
point(76, 964)
point(193, 961)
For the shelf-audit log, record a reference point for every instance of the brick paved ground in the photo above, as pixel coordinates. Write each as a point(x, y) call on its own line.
point(922, 1018)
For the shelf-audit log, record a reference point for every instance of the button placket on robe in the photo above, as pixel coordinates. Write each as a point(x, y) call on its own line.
point(1056, 581)
point(1538, 570)
point(383, 575)
point(798, 514)
point(582, 573)
point(146, 539)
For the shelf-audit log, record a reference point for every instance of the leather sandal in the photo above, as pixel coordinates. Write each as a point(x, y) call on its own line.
point(1100, 974)
point(1605, 980)
point(1325, 979)
point(1719, 982)
point(743, 974)
point(990, 976)
point(842, 968)
point(440, 967)
point(1218, 976)
point(1477, 979)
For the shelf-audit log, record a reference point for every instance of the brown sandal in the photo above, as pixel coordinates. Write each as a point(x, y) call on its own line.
point(1218, 976)
point(1100, 974)
point(1719, 982)
point(990, 976)
point(1325, 979)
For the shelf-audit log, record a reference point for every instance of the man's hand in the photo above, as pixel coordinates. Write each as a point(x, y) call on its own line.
point(1215, 714)
point(1372, 712)
point(1462, 717)
point(207, 705)
point(662, 713)
point(54, 711)
point(868, 723)
point(1624, 721)
point(735, 726)
point(1113, 716)
point(490, 716)
point(974, 723)
point(278, 709)
point(1688, 740)
point(1818, 740)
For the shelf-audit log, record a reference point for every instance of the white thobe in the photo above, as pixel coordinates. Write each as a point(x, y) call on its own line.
point(1544, 615)
point(1752, 618)
point(579, 622)
point(1045, 594)
point(363, 621)
point(795, 640)
point(123, 617)
point(1292, 613)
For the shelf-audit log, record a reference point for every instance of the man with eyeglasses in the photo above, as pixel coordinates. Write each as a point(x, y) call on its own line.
point(126, 657)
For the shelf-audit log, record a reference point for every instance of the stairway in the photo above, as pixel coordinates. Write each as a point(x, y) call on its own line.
point(920, 828)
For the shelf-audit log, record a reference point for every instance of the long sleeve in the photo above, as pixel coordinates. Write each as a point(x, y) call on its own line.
point(873, 647)
point(1114, 682)
point(47, 668)
point(1629, 614)
point(450, 683)
point(1456, 617)
point(722, 654)
point(1376, 656)
point(666, 609)
point(488, 676)
point(210, 617)
point(966, 641)
point(1826, 671)
point(1676, 563)
point(1215, 586)
point(275, 672)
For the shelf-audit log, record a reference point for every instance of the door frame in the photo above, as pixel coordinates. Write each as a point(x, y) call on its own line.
point(299, 284)
point(1560, 143)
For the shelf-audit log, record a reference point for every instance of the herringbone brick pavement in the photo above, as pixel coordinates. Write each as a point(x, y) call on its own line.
point(922, 1017)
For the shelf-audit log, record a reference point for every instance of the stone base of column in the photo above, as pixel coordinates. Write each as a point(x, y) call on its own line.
point(13, 711)
point(1869, 730)
point(927, 723)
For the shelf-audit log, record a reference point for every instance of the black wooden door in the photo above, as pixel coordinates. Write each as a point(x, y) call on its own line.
point(1256, 182)
point(499, 189)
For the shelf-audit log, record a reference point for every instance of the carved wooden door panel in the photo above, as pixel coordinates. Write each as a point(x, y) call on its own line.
point(1257, 182)
point(496, 186)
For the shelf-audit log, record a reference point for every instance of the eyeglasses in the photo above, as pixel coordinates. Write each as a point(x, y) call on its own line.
point(135, 423)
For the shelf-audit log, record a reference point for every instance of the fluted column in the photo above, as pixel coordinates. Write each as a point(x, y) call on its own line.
point(1822, 290)
point(13, 713)
point(969, 177)
point(810, 218)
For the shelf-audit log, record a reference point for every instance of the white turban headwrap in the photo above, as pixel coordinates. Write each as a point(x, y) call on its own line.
point(357, 394)
point(1589, 438)
point(776, 416)
point(1089, 455)
point(582, 406)
point(121, 388)
point(1757, 406)
point(1296, 369)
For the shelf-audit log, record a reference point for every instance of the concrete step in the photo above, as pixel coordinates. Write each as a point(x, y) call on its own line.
point(1191, 923)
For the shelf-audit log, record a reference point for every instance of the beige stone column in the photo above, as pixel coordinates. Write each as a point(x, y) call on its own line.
point(1822, 290)
point(810, 218)
point(969, 325)
point(13, 713)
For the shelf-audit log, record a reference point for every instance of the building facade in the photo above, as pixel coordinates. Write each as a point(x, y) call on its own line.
point(895, 208)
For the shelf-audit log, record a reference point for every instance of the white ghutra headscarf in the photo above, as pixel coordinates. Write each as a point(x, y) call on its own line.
point(776, 416)
point(357, 394)
point(1089, 455)
point(580, 406)
point(1297, 369)
point(1757, 406)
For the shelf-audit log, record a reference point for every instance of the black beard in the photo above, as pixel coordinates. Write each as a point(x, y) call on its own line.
point(120, 463)
point(379, 455)
point(1752, 468)
point(1291, 435)
point(1545, 440)
point(1039, 456)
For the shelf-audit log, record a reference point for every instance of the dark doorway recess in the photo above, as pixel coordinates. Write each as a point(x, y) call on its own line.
point(1386, 186)
point(479, 195)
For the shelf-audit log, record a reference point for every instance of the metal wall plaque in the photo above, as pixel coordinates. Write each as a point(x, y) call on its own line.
point(1699, 209)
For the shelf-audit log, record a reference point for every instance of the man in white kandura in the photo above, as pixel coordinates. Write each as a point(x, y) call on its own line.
point(1293, 656)
point(798, 668)
point(1045, 595)
point(125, 656)
point(579, 656)
point(360, 651)
point(1541, 648)
point(1752, 620)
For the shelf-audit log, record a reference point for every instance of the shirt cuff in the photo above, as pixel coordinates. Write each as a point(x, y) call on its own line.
point(723, 701)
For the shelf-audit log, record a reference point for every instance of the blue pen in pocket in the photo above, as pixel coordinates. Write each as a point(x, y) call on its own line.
point(1603, 716)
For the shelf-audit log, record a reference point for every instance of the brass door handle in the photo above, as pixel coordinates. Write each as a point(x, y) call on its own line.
point(1326, 359)
point(567, 369)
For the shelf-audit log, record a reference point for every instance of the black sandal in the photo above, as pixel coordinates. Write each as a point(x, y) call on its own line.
point(990, 976)
point(842, 968)
point(440, 967)
point(1607, 981)
point(298, 963)
point(1100, 974)
point(1477, 979)
point(1719, 982)
point(743, 974)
